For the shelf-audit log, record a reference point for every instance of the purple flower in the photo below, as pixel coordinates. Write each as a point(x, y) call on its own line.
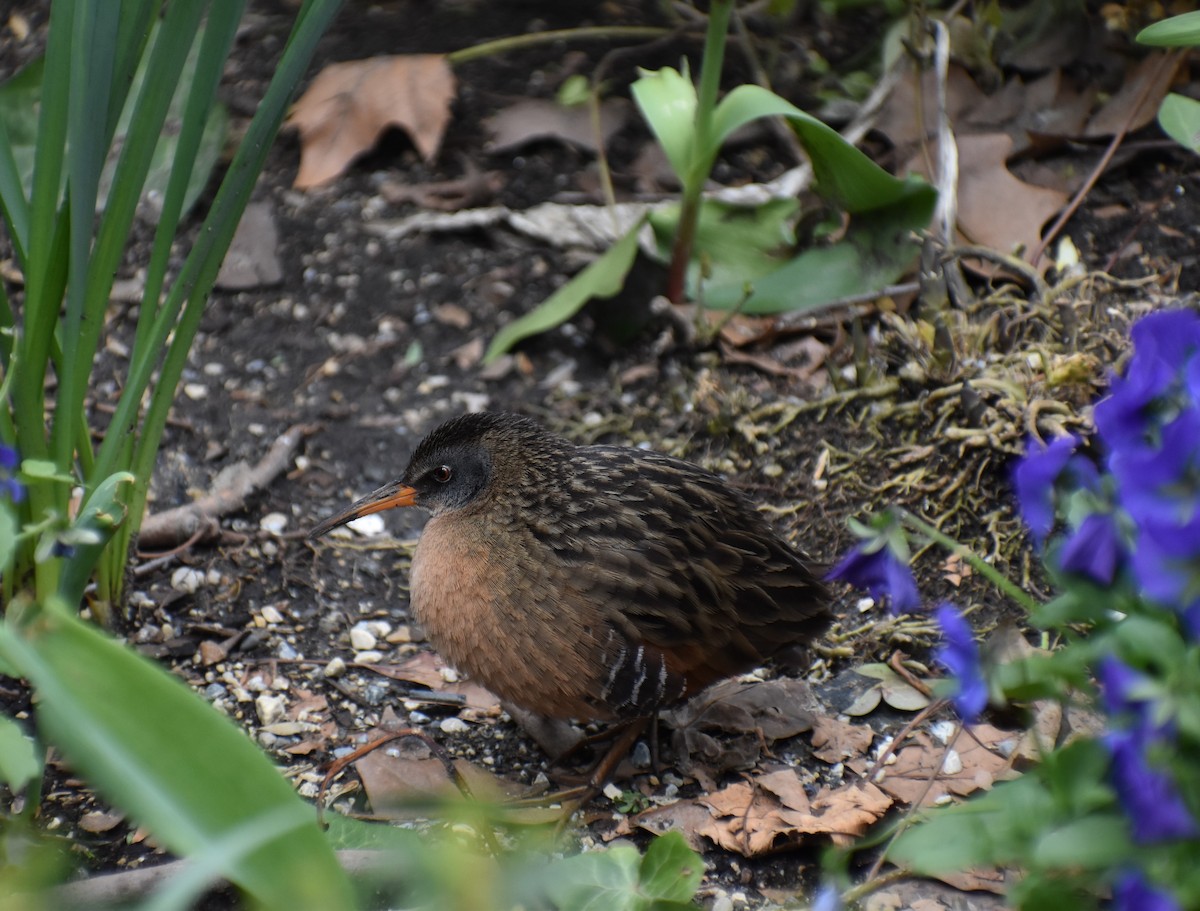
point(1166, 562)
point(1133, 893)
point(827, 899)
point(1034, 479)
point(960, 655)
point(1163, 344)
point(1163, 480)
point(1119, 685)
point(1148, 794)
point(9, 460)
point(1094, 550)
point(881, 573)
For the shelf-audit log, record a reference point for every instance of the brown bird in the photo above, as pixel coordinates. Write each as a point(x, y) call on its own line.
point(591, 582)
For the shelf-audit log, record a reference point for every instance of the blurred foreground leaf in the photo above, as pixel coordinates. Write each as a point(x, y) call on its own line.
point(155, 749)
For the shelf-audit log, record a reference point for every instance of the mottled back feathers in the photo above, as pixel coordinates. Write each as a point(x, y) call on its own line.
point(682, 580)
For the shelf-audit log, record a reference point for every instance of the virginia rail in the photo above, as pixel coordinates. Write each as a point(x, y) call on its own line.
point(591, 582)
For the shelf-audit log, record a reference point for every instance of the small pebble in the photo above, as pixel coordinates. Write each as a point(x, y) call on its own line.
point(274, 523)
point(361, 639)
point(612, 792)
point(378, 628)
point(454, 726)
point(369, 526)
point(952, 764)
point(186, 579)
point(270, 708)
point(257, 684)
point(418, 717)
point(335, 668)
point(641, 755)
point(374, 694)
point(372, 656)
point(401, 634)
point(271, 615)
point(450, 675)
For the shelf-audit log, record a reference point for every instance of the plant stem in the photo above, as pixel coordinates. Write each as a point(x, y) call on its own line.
point(517, 42)
point(989, 572)
point(703, 149)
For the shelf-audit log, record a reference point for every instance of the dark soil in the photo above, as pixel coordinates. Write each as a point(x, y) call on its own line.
point(363, 341)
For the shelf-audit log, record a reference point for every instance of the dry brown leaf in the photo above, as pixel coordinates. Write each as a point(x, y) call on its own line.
point(924, 895)
point(252, 260)
point(756, 713)
point(474, 189)
point(836, 741)
point(973, 763)
point(1152, 77)
point(995, 209)
point(400, 777)
point(1007, 644)
point(687, 817)
point(427, 669)
point(1041, 114)
point(898, 117)
point(97, 822)
point(533, 120)
point(349, 105)
point(751, 818)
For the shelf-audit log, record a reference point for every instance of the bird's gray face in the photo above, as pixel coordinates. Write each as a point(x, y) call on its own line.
point(439, 478)
point(447, 478)
point(451, 468)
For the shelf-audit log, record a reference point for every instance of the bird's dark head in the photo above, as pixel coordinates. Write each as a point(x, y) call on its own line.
point(455, 466)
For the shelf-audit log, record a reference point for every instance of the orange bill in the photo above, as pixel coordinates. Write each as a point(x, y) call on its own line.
point(387, 497)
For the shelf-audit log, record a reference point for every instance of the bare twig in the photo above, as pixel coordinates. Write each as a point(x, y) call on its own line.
point(198, 520)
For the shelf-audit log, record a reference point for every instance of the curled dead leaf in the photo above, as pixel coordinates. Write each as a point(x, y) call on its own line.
point(349, 105)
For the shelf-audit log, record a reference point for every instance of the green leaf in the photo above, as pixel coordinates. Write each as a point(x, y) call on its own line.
point(159, 752)
point(163, 156)
point(8, 537)
point(620, 880)
point(1179, 117)
point(1150, 640)
point(670, 871)
point(734, 245)
point(597, 881)
point(18, 132)
point(43, 470)
point(876, 250)
point(667, 99)
point(19, 762)
point(1090, 843)
point(1178, 31)
point(92, 529)
point(20, 101)
point(995, 828)
point(602, 278)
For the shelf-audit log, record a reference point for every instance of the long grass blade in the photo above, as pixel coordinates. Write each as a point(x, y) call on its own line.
point(173, 39)
point(201, 267)
point(94, 28)
point(219, 34)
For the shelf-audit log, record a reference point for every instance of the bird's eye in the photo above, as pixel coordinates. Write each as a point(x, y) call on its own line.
point(442, 474)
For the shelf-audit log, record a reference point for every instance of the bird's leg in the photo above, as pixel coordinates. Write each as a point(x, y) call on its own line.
point(622, 744)
point(655, 767)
